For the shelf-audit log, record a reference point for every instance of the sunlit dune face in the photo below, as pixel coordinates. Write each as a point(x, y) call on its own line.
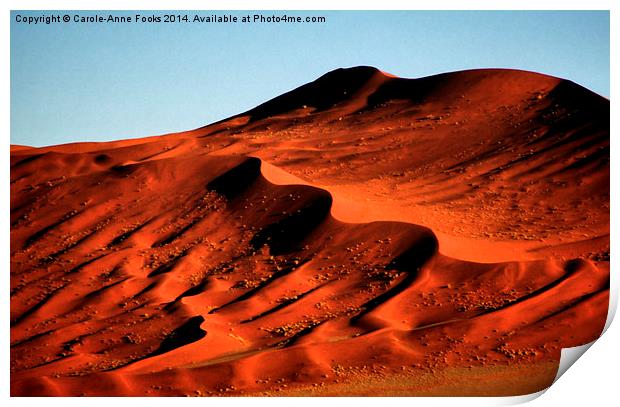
point(389, 75)
point(361, 235)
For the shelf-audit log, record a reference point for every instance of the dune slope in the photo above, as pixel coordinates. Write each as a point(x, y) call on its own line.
point(360, 235)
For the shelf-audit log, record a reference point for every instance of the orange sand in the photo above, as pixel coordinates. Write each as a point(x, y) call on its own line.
point(362, 234)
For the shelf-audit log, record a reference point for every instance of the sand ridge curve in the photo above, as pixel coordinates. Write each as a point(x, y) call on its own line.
point(405, 295)
point(217, 261)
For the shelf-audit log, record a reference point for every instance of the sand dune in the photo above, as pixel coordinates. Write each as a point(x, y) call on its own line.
point(360, 235)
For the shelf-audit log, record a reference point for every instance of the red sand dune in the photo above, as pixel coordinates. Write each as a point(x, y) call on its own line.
point(360, 235)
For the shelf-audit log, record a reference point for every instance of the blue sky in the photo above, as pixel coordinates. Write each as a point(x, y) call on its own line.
point(96, 82)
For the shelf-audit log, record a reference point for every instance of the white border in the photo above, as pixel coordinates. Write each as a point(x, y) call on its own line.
point(592, 380)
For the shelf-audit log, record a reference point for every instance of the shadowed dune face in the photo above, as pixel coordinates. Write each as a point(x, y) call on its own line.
point(360, 235)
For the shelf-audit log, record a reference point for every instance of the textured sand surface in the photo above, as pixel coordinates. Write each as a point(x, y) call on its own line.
point(360, 235)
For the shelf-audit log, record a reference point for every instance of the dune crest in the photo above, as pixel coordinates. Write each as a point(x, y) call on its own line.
point(320, 244)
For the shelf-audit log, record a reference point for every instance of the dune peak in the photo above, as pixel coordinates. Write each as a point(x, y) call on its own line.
point(359, 235)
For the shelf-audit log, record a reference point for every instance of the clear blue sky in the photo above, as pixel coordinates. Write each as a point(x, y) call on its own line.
point(95, 82)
